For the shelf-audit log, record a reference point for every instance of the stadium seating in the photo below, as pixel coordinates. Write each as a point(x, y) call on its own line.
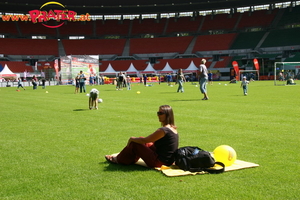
point(77, 29)
point(291, 16)
point(159, 45)
point(17, 66)
point(22, 66)
point(282, 37)
point(293, 58)
point(214, 42)
point(29, 29)
point(247, 40)
point(12, 46)
point(147, 26)
point(183, 25)
point(112, 27)
point(8, 28)
point(94, 46)
point(224, 62)
point(260, 18)
point(220, 22)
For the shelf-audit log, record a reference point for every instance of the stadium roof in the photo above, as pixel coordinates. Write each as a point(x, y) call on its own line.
point(114, 7)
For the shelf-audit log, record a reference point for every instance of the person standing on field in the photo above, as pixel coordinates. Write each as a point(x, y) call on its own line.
point(82, 81)
point(169, 79)
point(120, 80)
point(203, 79)
point(128, 80)
point(244, 85)
point(210, 78)
point(145, 79)
point(43, 83)
point(180, 80)
point(76, 84)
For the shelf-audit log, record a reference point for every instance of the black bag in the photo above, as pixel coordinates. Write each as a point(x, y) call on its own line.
point(195, 159)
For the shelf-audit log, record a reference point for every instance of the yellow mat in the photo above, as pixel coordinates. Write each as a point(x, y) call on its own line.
point(173, 170)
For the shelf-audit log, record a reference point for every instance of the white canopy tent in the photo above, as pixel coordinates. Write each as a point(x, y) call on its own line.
point(7, 73)
point(131, 69)
point(109, 70)
point(167, 69)
point(149, 69)
point(191, 68)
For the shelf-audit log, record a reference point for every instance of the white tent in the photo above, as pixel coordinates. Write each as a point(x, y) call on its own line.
point(149, 69)
point(109, 70)
point(6, 72)
point(167, 69)
point(191, 68)
point(131, 69)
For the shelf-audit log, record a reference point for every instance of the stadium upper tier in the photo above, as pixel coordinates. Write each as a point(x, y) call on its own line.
point(218, 33)
point(114, 7)
point(135, 46)
point(135, 28)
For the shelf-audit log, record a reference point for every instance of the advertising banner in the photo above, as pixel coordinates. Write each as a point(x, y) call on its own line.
point(89, 64)
point(65, 69)
point(236, 69)
point(255, 61)
point(72, 65)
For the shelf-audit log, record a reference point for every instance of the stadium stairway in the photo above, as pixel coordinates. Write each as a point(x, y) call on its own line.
point(277, 18)
point(61, 49)
point(166, 26)
point(201, 24)
point(190, 48)
point(238, 22)
point(262, 40)
point(126, 48)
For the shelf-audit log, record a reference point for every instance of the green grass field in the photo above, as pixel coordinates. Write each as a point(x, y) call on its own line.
point(53, 147)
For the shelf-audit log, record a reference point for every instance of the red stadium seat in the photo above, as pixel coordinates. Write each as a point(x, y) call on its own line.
point(94, 46)
point(159, 45)
point(12, 46)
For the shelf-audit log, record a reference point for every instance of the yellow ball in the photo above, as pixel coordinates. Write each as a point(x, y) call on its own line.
point(225, 154)
point(138, 92)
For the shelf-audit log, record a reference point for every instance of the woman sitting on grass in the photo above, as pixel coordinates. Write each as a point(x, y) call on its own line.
point(156, 149)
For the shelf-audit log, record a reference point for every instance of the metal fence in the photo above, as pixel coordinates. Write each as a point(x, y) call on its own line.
point(26, 83)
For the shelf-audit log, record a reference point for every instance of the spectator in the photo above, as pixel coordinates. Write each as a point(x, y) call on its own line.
point(203, 78)
point(82, 80)
point(180, 80)
point(156, 149)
